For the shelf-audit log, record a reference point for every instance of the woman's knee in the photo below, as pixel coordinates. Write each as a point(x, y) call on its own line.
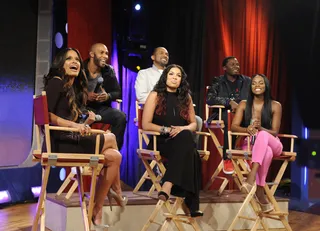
point(113, 155)
point(110, 139)
point(263, 134)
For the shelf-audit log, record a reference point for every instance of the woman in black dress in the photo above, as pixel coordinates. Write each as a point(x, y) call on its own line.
point(169, 110)
point(66, 89)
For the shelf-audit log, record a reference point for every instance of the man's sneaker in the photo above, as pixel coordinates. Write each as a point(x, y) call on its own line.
point(228, 167)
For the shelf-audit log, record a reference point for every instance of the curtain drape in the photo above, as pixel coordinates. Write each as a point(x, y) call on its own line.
point(248, 30)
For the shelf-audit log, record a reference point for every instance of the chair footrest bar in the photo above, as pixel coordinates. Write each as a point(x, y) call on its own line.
point(247, 218)
point(279, 213)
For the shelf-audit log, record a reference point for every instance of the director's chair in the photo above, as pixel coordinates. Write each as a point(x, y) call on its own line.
point(214, 127)
point(238, 157)
point(86, 171)
point(48, 159)
point(152, 160)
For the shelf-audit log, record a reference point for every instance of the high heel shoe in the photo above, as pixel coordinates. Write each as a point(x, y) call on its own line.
point(197, 213)
point(266, 208)
point(246, 187)
point(121, 201)
point(98, 226)
point(163, 196)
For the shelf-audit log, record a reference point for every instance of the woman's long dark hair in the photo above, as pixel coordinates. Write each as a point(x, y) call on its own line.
point(183, 93)
point(266, 113)
point(76, 93)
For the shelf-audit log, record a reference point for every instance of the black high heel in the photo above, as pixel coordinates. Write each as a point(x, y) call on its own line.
point(197, 213)
point(190, 203)
point(163, 196)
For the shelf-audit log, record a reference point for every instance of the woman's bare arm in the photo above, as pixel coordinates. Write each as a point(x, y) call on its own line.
point(237, 119)
point(56, 120)
point(148, 111)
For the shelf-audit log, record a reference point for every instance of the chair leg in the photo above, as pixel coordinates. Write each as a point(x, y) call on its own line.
point(173, 214)
point(82, 200)
point(275, 204)
point(43, 215)
point(143, 178)
point(72, 189)
point(65, 183)
point(219, 168)
point(92, 193)
point(153, 215)
point(153, 187)
point(179, 219)
point(243, 206)
point(215, 176)
point(41, 200)
point(152, 175)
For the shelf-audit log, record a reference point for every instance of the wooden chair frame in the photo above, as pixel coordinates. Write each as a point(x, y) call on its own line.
point(86, 171)
point(152, 160)
point(238, 157)
point(214, 126)
point(48, 159)
point(156, 160)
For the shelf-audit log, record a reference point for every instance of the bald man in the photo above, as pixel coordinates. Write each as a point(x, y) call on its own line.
point(103, 88)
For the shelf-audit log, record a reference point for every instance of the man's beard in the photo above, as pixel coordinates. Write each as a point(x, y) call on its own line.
point(163, 64)
point(97, 62)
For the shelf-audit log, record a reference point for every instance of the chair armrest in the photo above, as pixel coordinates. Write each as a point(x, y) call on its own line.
point(118, 100)
point(58, 128)
point(202, 133)
point(215, 106)
point(287, 136)
point(239, 134)
point(150, 133)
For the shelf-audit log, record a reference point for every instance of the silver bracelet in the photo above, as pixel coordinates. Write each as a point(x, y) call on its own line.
point(163, 130)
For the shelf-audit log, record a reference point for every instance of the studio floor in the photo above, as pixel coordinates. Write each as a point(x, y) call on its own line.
point(19, 218)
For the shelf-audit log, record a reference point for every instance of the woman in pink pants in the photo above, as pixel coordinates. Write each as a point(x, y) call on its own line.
point(260, 116)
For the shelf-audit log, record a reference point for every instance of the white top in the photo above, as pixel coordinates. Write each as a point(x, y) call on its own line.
point(146, 80)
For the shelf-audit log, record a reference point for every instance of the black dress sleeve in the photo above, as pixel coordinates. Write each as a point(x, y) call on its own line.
point(53, 91)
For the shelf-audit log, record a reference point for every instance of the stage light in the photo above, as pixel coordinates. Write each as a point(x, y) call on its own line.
point(66, 28)
point(138, 68)
point(137, 7)
point(58, 40)
point(62, 174)
point(36, 191)
point(313, 153)
point(5, 197)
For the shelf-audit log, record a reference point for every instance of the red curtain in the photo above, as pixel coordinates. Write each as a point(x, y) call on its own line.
point(89, 22)
point(246, 29)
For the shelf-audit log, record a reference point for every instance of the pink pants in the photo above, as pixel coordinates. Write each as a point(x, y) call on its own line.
point(264, 149)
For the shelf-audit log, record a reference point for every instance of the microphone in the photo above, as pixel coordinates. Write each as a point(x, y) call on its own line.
point(253, 138)
point(98, 118)
point(85, 114)
point(99, 84)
